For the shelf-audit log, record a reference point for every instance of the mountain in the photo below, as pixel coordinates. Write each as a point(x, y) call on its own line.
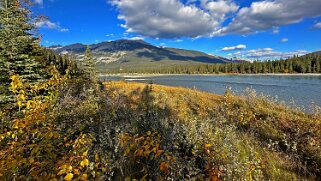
point(134, 54)
point(315, 53)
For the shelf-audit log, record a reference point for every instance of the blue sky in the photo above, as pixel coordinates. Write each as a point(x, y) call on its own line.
point(230, 28)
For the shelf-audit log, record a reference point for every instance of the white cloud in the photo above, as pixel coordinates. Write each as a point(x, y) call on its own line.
point(284, 40)
point(110, 35)
point(172, 18)
point(45, 23)
point(38, 2)
point(137, 38)
point(238, 47)
point(275, 30)
point(317, 25)
point(63, 29)
point(199, 18)
point(266, 54)
point(238, 53)
point(177, 41)
point(264, 15)
point(220, 9)
point(269, 53)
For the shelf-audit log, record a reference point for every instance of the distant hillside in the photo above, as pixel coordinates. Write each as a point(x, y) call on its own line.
point(127, 54)
point(315, 53)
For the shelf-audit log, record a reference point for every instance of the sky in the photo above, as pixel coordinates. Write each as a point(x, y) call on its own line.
point(265, 29)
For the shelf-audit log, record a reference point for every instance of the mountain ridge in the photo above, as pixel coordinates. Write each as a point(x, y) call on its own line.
point(137, 54)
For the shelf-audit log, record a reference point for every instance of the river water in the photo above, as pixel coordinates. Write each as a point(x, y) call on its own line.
point(301, 91)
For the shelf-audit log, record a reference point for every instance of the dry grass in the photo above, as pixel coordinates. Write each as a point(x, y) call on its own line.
point(290, 138)
point(183, 102)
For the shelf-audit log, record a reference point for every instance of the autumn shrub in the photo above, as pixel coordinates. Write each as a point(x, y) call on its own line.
point(279, 127)
point(35, 145)
point(156, 146)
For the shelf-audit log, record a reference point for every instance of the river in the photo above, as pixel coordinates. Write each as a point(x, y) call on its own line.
point(301, 91)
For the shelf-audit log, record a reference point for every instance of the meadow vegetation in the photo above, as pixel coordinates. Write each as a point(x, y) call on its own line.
point(58, 122)
point(82, 130)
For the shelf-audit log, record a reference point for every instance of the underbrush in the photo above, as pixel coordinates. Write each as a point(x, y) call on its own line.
point(129, 131)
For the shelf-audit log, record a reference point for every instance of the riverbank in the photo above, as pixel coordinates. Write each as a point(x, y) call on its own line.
point(221, 74)
point(294, 90)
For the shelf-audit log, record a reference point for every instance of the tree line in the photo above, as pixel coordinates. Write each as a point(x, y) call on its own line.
point(304, 64)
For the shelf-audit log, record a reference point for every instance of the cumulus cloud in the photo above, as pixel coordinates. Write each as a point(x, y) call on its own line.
point(284, 40)
point(238, 47)
point(220, 9)
point(45, 23)
point(172, 18)
point(269, 53)
point(317, 25)
point(266, 54)
point(264, 15)
point(199, 18)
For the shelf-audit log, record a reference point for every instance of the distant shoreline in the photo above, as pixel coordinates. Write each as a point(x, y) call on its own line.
point(221, 74)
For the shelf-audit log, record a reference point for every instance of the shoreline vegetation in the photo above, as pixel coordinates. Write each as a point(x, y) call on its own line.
point(215, 74)
point(270, 126)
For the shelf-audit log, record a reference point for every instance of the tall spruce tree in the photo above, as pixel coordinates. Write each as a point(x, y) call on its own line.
point(89, 64)
point(17, 45)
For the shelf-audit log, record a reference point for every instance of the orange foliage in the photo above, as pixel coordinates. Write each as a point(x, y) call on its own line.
point(183, 102)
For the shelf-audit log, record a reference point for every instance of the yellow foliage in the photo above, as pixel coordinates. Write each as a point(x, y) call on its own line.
point(69, 177)
point(61, 172)
point(84, 163)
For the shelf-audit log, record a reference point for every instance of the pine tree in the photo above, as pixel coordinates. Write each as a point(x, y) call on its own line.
point(17, 45)
point(318, 65)
point(89, 65)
